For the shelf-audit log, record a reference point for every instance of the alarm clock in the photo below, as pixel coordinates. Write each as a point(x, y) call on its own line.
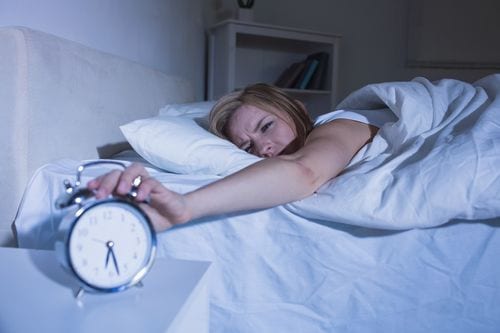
point(108, 245)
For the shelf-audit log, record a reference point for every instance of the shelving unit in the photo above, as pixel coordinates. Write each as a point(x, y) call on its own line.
point(242, 53)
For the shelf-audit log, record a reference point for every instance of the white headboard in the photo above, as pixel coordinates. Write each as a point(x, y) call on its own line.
point(60, 99)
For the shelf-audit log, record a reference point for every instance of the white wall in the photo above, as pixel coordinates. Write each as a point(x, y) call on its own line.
point(168, 35)
point(152, 32)
point(156, 33)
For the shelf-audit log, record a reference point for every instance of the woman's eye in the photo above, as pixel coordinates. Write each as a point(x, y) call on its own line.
point(264, 128)
point(248, 148)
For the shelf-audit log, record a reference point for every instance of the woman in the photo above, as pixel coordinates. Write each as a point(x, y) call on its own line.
point(264, 121)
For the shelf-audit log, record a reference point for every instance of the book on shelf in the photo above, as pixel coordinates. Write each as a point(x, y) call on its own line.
point(290, 75)
point(309, 69)
point(318, 81)
point(309, 73)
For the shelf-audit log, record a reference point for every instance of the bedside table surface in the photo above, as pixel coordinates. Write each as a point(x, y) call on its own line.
point(37, 295)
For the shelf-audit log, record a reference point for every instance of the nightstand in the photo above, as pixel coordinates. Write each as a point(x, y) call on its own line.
point(37, 296)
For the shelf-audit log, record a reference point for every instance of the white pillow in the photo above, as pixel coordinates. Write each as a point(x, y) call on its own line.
point(188, 110)
point(199, 111)
point(180, 145)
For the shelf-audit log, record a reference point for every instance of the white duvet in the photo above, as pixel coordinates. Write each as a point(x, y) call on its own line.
point(439, 162)
point(294, 268)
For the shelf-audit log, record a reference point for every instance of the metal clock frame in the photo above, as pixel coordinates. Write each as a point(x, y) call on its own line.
point(69, 222)
point(140, 274)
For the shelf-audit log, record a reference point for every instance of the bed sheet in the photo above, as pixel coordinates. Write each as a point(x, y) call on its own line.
point(276, 271)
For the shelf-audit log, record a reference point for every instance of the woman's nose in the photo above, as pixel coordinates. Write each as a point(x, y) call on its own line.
point(265, 149)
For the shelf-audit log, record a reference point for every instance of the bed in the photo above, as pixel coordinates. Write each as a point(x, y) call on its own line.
point(406, 239)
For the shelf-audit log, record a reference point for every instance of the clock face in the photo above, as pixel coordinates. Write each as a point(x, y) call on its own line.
point(111, 245)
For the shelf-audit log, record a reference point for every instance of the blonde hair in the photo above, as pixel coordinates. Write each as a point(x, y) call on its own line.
point(268, 98)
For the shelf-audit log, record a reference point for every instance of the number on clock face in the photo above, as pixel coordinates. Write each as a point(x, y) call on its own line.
point(109, 245)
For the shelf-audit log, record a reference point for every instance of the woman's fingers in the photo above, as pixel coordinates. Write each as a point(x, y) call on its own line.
point(106, 184)
point(147, 186)
point(127, 178)
point(116, 181)
point(166, 207)
point(94, 183)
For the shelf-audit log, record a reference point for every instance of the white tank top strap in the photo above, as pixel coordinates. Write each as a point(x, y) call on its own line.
point(377, 117)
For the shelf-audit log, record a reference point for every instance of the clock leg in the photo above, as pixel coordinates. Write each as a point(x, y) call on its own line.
point(79, 294)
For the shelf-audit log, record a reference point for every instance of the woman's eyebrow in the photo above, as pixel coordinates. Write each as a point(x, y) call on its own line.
point(258, 125)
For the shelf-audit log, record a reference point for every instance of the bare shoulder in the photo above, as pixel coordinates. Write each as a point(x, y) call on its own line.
point(344, 129)
point(344, 134)
point(331, 146)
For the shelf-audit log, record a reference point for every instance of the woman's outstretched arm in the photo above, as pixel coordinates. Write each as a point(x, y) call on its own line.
point(285, 178)
point(268, 183)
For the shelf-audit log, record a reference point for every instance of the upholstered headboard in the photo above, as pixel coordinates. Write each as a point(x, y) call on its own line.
point(60, 99)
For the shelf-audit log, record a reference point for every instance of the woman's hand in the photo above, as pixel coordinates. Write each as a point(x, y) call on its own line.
point(165, 208)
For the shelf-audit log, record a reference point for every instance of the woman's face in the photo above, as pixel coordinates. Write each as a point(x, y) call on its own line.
point(259, 132)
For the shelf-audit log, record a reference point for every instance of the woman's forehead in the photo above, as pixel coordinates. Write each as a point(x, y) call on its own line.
point(253, 110)
point(245, 116)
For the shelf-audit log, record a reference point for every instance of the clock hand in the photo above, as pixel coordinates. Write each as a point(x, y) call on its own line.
point(98, 240)
point(115, 262)
point(107, 257)
point(111, 253)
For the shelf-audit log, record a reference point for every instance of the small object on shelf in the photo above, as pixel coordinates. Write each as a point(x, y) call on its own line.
point(307, 74)
point(245, 3)
point(317, 81)
point(245, 11)
point(309, 69)
point(291, 75)
point(245, 14)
